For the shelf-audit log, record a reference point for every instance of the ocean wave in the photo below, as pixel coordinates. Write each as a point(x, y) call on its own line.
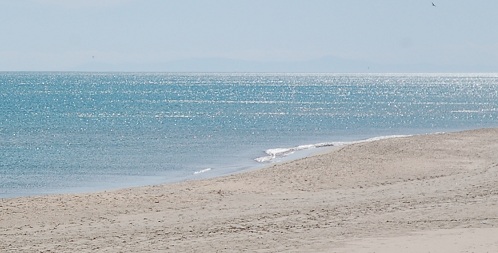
point(277, 153)
point(476, 111)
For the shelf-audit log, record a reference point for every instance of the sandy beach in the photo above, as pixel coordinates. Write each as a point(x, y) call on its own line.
point(427, 193)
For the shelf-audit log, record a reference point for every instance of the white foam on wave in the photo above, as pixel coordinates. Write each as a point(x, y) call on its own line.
point(476, 111)
point(202, 171)
point(276, 153)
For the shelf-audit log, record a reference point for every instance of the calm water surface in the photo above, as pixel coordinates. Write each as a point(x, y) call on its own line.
point(78, 132)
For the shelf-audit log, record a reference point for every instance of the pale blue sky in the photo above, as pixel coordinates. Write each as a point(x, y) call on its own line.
point(456, 35)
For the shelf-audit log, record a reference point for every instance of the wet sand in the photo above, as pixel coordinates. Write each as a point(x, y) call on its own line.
point(428, 193)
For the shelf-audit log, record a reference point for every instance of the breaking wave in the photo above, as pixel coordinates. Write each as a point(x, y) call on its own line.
point(277, 153)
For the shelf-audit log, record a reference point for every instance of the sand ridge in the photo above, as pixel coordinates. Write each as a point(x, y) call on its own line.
point(365, 197)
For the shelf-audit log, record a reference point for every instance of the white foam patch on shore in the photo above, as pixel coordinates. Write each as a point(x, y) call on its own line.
point(276, 153)
point(202, 171)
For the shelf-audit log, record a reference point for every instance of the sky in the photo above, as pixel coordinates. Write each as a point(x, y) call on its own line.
point(249, 35)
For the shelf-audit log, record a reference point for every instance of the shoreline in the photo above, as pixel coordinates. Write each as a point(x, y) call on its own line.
point(269, 157)
point(338, 201)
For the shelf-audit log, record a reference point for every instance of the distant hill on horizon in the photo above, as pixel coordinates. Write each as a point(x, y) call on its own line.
point(326, 64)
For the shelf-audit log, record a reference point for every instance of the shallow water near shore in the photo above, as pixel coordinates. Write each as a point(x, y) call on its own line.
point(79, 132)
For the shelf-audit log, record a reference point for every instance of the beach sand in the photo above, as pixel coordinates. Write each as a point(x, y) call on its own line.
point(427, 193)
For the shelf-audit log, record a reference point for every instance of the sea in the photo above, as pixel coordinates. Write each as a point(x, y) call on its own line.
point(75, 132)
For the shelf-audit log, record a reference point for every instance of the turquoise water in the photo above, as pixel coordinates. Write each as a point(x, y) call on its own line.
point(78, 132)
